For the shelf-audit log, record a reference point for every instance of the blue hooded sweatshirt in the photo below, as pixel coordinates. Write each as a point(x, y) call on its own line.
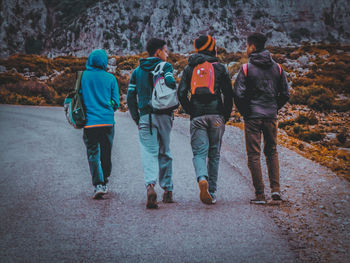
point(100, 91)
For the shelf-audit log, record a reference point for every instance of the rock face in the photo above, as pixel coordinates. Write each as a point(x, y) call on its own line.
point(122, 27)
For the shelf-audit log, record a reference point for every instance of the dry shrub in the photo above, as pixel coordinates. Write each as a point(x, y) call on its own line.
point(310, 135)
point(178, 61)
point(226, 58)
point(123, 82)
point(279, 58)
point(127, 62)
point(63, 83)
point(309, 118)
point(74, 64)
point(10, 77)
point(7, 97)
point(34, 63)
point(28, 89)
point(283, 124)
point(317, 97)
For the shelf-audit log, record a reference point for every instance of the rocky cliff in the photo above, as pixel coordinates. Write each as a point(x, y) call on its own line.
point(123, 27)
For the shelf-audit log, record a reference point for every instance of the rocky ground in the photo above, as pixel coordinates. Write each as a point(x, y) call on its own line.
point(315, 216)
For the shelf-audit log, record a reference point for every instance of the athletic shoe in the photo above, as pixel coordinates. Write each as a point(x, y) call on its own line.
point(276, 196)
point(259, 200)
point(168, 197)
point(105, 189)
point(151, 197)
point(99, 191)
point(204, 193)
point(213, 197)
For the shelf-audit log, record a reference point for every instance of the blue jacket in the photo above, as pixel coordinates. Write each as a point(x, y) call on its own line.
point(141, 86)
point(100, 91)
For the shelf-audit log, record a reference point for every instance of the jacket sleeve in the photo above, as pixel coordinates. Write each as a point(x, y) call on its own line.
point(183, 90)
point(115, 102)
point(227, 92)
point(168, 76)
point(240, 93)
point(132, 98)
point(283, 91)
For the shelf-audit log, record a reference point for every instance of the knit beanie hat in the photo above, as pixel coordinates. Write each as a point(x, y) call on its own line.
point(204, 43)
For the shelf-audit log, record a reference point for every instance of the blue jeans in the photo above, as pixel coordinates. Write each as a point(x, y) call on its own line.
point(206, 137)
point(155, 149)
point(98, 142)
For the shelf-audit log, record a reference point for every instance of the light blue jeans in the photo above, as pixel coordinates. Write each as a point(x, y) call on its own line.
point(206, 137)
point(155, 150)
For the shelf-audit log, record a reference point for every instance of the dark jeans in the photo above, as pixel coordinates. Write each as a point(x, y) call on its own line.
point(99, 143)
point(206, 137)
point(253, 129)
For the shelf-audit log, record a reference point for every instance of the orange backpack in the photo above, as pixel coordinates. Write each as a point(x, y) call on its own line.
point(203, 79)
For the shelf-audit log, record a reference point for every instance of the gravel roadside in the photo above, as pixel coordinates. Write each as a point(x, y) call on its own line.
point(315, 216)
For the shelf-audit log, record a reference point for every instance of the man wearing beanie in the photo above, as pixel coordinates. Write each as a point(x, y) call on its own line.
point(260, 90)
point(207, 81)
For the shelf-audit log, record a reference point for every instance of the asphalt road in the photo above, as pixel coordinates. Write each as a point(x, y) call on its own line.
point(47, 213)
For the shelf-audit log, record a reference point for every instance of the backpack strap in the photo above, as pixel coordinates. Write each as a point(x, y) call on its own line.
point(245, 69)
point(159, 68)
point(279, 66)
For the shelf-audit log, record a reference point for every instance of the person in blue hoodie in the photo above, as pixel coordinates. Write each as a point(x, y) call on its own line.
point(101, 98)
point(154, 128)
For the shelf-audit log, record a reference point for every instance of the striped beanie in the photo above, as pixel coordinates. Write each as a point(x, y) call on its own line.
point(204, 43)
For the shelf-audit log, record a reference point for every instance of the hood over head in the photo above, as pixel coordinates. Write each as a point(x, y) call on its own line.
point(148, 64)
point(97, 59)
point(200, 58)
point(261, 59)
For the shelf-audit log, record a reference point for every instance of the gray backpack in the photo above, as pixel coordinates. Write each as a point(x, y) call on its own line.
point(163, 97)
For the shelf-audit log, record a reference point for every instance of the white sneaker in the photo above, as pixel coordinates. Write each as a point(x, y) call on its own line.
point(99, 191)
point(105, 189)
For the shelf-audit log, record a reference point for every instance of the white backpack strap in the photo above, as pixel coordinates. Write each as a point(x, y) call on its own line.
point(159, 68)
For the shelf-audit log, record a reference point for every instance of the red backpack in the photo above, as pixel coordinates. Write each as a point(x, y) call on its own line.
point(203, 79)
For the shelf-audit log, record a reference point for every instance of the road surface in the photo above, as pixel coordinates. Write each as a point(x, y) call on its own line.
point(47, 213)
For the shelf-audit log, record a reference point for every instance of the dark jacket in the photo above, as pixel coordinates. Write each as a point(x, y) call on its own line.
point(200, 105)
point(265, 89)
point(141, 86)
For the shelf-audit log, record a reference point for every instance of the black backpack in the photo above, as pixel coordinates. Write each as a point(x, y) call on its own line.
point(74, 106)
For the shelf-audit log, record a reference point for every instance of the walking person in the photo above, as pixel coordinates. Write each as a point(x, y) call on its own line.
point(154, 127)
point(101, 98)
point(207, 81)
point(260, 90)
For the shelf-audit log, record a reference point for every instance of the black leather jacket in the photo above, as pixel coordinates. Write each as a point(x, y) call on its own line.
point(265, 89)
point(201, 105)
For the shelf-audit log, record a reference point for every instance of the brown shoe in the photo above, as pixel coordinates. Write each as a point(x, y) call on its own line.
point(168, 197)
point(204, 193)
point(151, 197)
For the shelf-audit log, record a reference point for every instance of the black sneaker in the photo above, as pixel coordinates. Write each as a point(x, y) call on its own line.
point(168, 197)
point(151, 197)
point(276, 196)
point(259, 200)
